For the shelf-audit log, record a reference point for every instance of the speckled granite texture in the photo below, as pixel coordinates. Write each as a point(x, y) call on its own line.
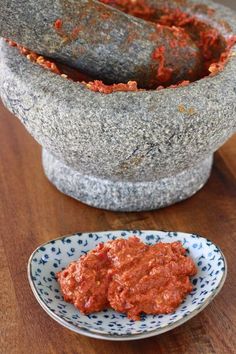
point(118, 48)
point(128, 140)
point(125, 195)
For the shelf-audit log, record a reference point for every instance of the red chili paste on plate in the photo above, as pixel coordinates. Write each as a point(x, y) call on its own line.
point(129, 276)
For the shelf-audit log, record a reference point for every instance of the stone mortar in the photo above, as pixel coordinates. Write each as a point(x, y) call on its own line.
point(125, 151)
point(117, 49)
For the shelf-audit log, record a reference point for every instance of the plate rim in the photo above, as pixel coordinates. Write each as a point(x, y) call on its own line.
point(99, 335)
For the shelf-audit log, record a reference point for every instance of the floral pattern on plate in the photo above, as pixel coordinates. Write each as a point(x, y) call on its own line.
point(55, 255)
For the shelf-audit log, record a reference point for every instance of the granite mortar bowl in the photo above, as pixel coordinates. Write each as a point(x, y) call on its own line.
point(125, 151)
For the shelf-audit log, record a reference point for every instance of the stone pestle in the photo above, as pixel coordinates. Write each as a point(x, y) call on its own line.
point(101, 41)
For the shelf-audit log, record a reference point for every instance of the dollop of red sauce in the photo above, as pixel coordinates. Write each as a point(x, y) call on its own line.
point(215, 49)
point(129, 276)
point(137, 8)
point(164, 73)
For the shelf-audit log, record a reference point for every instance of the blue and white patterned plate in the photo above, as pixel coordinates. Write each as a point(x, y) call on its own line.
point(52, 256)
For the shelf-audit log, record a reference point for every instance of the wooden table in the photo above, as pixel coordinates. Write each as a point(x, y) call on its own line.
point(32, 211)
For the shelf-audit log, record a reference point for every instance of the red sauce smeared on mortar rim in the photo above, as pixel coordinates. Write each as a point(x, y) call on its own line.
point(129, 276)
point(215, 50)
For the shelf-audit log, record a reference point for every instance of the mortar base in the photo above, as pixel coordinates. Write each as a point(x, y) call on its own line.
point(123, 195)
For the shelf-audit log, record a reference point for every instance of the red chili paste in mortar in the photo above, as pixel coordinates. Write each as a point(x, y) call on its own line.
point(215, 49)
point(130, 277)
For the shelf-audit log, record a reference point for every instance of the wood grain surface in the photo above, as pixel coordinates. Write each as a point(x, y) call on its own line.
point(32, 211)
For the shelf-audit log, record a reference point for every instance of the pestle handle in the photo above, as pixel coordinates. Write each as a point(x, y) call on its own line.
point(101, 41)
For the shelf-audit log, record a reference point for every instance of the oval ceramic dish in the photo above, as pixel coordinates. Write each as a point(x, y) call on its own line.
point(52, 256)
